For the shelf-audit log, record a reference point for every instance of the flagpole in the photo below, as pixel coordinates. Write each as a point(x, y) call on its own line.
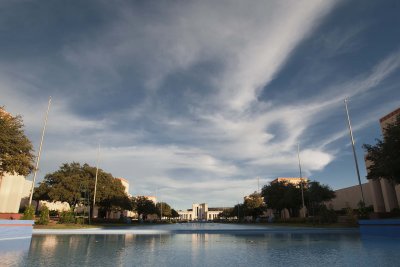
point(301, 177)
point(354, 151)
point(95, 183)
point(40, 150)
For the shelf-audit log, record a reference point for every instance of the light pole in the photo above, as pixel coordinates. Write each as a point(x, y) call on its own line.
point(161, 211)
point(354, 151)
point(238, 211)
point(40, 150)
point(301, 179)
point(95, 182)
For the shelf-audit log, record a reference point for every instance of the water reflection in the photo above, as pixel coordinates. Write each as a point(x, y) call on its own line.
point(275, 249)
point(12, 251)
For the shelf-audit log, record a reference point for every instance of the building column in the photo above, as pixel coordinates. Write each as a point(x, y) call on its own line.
point(377, 197)
point(389, 195)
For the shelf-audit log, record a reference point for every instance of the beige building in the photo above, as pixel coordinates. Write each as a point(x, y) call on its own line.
point(125, 183)
point(290, 180)
point(385, 195)
point(12, 189)
point(199, 212)
point(349, 197)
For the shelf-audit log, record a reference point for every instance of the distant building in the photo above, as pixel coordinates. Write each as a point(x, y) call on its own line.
point(125, 183)
point(151, 198)
point(290, 180)
point(199, 212)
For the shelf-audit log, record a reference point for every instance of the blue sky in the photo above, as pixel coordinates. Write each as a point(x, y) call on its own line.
point(199, 98)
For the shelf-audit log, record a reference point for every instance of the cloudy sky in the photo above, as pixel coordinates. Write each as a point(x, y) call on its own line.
point(196, 99)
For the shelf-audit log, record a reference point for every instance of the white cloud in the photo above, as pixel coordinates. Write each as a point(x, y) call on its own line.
point(212, 150)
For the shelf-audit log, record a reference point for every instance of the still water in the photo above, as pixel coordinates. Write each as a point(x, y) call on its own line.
point(203, 245)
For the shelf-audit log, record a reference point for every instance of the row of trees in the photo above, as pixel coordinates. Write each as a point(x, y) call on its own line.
point(279, 196)
point(144, 207)
point(283, 195)
point(74, 183)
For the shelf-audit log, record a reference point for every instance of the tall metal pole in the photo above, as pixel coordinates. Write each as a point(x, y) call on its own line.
point(160, 210)
point(301, 176)
point(40, 151)
point(354, 151)
point(95, 182)
point(238, 210)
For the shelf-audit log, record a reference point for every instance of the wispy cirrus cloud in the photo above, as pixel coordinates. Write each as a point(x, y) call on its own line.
point(179, 94)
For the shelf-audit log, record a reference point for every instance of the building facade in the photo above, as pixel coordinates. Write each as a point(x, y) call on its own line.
point(385, 194)
point(290, 180)
point(13, 188)
point(199, 212)
point(350, 197)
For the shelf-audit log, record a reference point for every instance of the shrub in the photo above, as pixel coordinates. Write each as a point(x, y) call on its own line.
point(44, 216)
point(22, 209)
point(327, 215)
point(363, 211)
point(350, 216)
point(80, 220)
point(53, 213)
point(29, 213)
point(67, 217)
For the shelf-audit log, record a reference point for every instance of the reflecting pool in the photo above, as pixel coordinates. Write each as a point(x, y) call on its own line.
point(204, 245)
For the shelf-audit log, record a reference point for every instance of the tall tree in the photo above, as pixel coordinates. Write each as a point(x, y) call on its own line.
point(254, 205)
point(317, 193)
point(16, 151)
point(144, 206)
point(238, 211)
point(165, 208)
point(384, 156)
point(282, 195)
point(72, 179)
point(174, 214)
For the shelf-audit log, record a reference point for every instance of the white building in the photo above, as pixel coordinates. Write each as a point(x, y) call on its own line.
point(199, 212)
point(12, 189)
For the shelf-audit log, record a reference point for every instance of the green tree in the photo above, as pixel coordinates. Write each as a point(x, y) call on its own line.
point(227, 213)
point(384, 156)
point(174, 214)
point(281, 195)
point(238, 211)
point(16, 151)
point(166, 209)
point(315, 195)
point(144, 206)
point(68, 183)
point(254, 205)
